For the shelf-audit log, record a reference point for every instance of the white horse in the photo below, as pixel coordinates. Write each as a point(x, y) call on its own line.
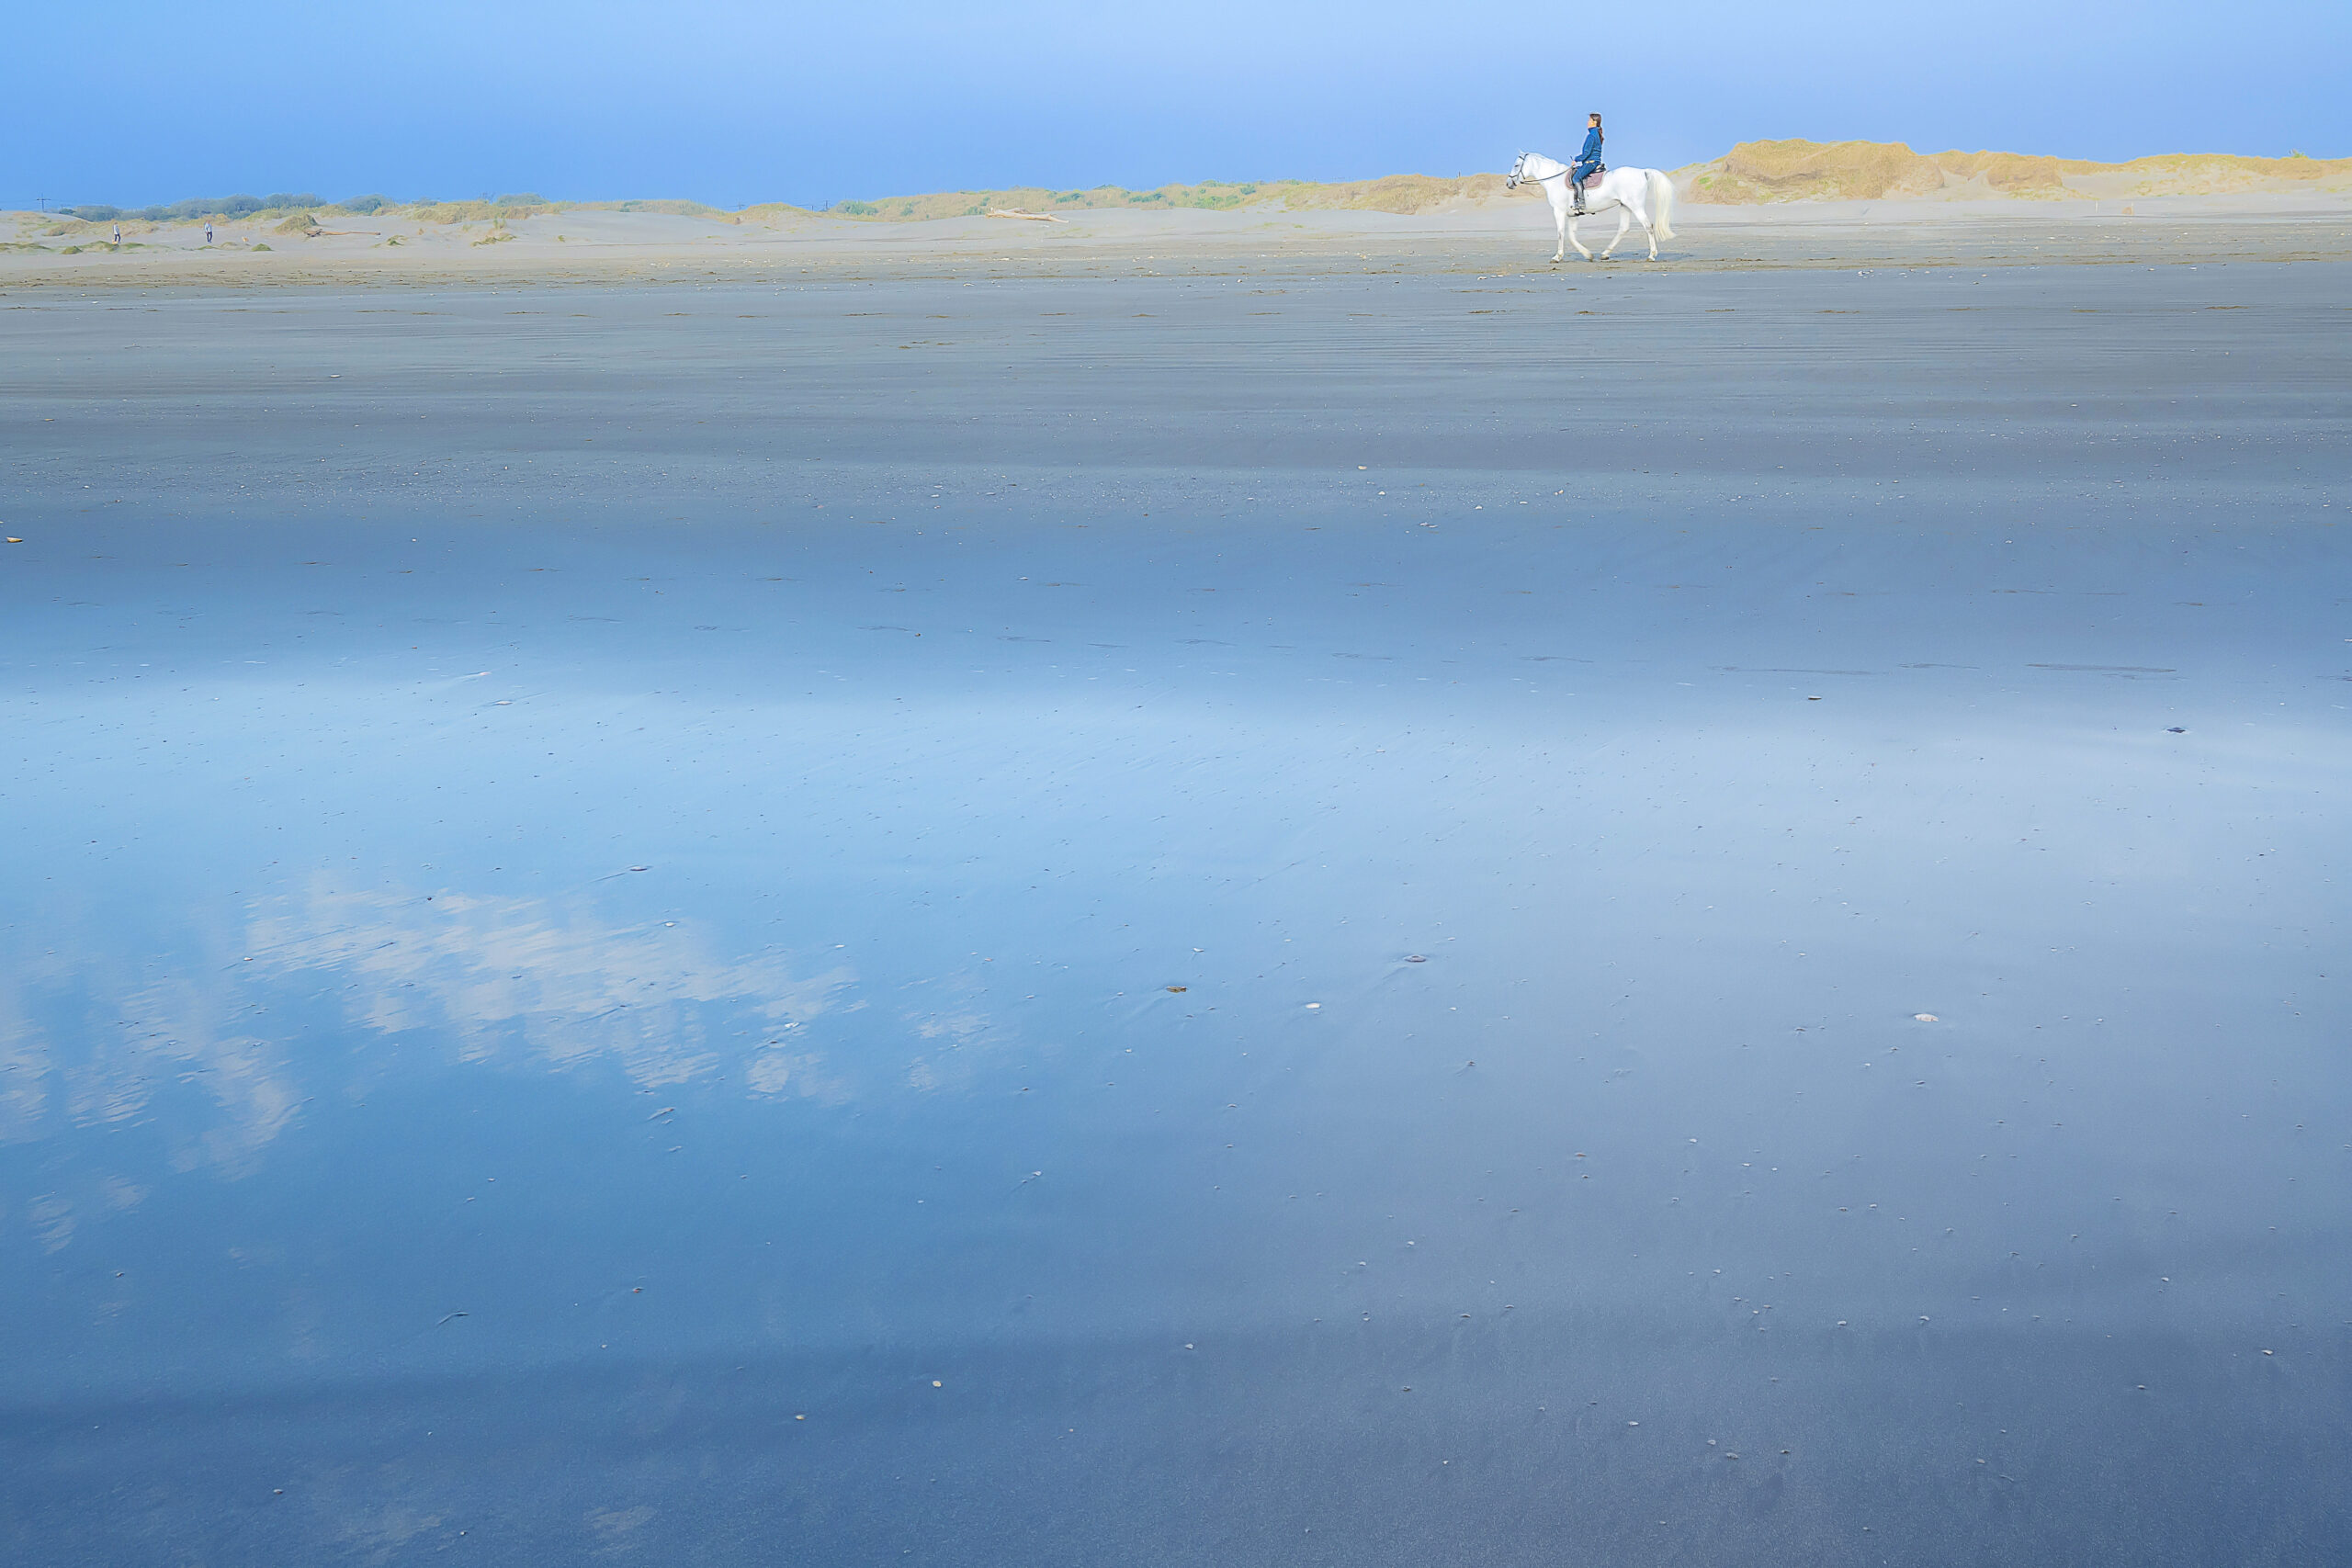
point(1636, 193)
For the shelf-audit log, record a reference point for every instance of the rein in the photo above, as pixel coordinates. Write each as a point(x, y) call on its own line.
point(1515, 179)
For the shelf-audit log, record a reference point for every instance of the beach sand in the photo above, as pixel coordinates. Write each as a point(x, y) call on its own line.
point(1191, 891)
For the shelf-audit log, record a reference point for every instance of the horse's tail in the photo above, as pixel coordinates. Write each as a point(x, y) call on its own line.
point(1661, 195)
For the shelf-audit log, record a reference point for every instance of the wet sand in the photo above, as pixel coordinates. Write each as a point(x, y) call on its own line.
point(1203, 918)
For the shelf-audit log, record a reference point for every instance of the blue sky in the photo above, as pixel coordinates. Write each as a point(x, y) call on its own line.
point(135, 101)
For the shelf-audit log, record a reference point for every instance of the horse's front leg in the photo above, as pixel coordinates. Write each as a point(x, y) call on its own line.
point(1560, 222)
point(1624, 222)
point(1574, 240)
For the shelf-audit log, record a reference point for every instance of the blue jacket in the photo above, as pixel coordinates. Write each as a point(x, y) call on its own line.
point(1591, 153)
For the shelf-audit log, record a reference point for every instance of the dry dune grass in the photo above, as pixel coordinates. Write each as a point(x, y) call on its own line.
point(1394, 193)
point(1210, 193)
point(506, 209)
point(2017, 173)
point(1873, 171)
point(2215, 173)
point(668, 208)
point(471, 211)
point(1860, 171)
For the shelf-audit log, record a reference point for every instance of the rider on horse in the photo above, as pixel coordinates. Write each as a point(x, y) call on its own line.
point(1587, 162)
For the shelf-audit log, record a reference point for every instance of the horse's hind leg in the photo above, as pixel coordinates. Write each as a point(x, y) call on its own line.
point(1641, 214)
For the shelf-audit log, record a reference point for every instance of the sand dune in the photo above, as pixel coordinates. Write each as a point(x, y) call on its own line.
point(1871, 171)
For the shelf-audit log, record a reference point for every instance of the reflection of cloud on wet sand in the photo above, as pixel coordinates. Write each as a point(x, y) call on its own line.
point(496, 974)
point(24, 1089)
point(515, 980)
point(776, 1072)
point(948, 1032)
point(154, 1037)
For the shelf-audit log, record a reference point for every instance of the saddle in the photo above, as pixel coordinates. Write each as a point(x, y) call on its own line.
point(1598, 170)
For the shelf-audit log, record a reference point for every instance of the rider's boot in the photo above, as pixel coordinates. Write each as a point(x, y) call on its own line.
point(1577, 187)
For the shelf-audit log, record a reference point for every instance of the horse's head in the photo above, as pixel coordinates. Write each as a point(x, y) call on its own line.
point(1511, 181)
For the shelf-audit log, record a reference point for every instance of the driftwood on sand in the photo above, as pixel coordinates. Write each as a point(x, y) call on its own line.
point(1032, 217)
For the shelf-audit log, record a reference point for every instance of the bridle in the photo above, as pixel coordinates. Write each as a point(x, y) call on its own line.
point(1513, 180)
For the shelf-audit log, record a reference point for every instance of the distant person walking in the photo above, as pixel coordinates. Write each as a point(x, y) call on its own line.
point(118, 234)
point(208, 230)
point(1588, 162)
